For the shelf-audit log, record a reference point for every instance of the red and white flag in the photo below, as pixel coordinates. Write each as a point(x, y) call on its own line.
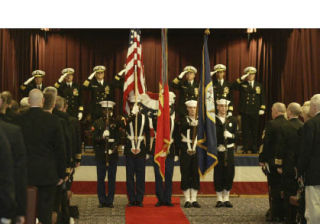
point(134, 80)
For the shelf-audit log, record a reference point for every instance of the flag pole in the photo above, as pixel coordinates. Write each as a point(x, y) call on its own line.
point(206, 32)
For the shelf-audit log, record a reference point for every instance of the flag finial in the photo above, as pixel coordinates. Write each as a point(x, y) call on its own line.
point(207, 32)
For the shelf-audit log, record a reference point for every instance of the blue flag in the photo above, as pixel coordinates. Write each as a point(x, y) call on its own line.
point(206, 133)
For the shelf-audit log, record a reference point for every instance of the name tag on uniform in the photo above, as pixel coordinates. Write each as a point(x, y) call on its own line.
point(244, 86)
point(94, 86)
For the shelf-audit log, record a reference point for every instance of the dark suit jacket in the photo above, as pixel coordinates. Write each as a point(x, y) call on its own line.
point(18, 150)
point(45, 145)
point(309, 157)
point(25, 89)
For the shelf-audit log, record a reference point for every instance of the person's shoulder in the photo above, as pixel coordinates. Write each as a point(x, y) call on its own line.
point(10, 127)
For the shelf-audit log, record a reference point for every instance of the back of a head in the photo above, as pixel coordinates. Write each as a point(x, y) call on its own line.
point(49, 100)
point(295, 109)
point(51, 89)
point(6, 97)
point(35, 98)
point(60, 103)
point(279, 107)
point(315, 103)
point(14, 106)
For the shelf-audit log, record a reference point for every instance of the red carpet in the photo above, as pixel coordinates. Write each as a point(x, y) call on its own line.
point(149, 214)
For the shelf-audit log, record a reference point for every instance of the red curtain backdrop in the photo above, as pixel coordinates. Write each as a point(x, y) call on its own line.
point(287, 60)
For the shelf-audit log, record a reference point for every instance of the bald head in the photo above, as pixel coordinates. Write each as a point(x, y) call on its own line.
point(35, 98)
point(315, 105)
point(293, 110)
point(60, 103)
point(278, 109)
point(305, 111)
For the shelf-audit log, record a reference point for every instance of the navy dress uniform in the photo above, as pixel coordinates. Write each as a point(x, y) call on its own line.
point(164, 188)
point(100, 90)
point(275, 140)
point(222, 88)
point(106, 141)
point(224, 172)
point(252, 104)
point(188, 89)
point(71, 92)
point(35, 82)
point(137, 145)
point(190, 180)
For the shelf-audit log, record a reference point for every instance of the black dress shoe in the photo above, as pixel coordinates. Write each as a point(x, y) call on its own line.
point(159, 204)
point(219, 204)
point(169, 204)
point(228, 204)
point(102, 205)
point(195, 204)
point(139, 204)
point(109, 205)
point(187, 205)
point(130, 204)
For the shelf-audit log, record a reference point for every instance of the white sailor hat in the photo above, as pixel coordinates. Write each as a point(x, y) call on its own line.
point(38, 73)
point(190, 68)
point(99, 68)
point(219, 68)
point(107, 104)
point(191, 103)
point(250, 70)
point(172, 97)
point(132, 99)
point(67, 71)
point(223, 102)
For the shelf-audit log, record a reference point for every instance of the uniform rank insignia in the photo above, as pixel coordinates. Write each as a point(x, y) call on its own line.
point(258, 90)
point(196, 91)
point(75, 92)
point(226, 90)
point(107, 90)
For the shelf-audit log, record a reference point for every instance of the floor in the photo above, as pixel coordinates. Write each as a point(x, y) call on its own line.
point(247, 209)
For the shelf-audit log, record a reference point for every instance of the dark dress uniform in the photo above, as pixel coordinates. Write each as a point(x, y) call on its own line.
point(223, 91)
point(188, 162)
point(164, 189)
point(99, 92)
point(275, 140)
point(105, 160)
point(46, 163)
point(72, 93)
point(251, 101)
point(135, 152)
point(18, 150)
point(289, 157)
point(7, 193)
point(224, 171)
point(187, 91)
point(25, 89)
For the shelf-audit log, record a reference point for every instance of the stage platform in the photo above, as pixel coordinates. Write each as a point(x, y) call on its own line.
point(249, 178)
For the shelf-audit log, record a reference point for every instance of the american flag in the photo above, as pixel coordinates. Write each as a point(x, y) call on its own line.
point(134, 64)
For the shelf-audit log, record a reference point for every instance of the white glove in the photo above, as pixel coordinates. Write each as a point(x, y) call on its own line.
point(91, 76)
point(80, 115)
point(147, 156)
point(62, 78)
point(194, 123)
point(182, 74)
point(244, 76)
point(261, 112)
point(110, 151)
point(221, 148)
point(106, 133)
point(135, 109)
point(121, 72)
point(229, 114)
point(176, 158)
point(227, 134)
point(29, 80)
point(212, 73)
